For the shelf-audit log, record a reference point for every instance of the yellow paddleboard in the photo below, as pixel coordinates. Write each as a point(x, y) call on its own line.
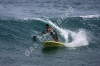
point(52, 44)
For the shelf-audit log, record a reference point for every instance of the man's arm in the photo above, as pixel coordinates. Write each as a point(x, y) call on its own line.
point(45, 32)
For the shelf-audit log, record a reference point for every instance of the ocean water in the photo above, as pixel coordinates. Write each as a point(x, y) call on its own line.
point(77, 23)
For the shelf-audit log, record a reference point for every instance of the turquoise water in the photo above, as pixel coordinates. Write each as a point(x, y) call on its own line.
point(20, 20)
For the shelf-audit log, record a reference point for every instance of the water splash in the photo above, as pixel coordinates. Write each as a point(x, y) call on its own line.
point(78, 39)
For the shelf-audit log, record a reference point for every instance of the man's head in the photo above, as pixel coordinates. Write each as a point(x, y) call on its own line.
point(47, 26)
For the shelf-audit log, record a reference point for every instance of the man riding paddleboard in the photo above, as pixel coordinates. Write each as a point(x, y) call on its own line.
point(53, 33)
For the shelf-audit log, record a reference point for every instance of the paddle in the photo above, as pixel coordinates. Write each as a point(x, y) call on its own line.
point(34, 37)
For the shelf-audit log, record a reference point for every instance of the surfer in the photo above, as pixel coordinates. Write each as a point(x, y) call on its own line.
point(53, 33)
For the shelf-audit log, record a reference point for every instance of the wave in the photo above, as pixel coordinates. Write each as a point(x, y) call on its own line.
point(75, 32)
point(78, 38)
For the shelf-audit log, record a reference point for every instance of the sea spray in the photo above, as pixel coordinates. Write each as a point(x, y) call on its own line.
point(78, 39)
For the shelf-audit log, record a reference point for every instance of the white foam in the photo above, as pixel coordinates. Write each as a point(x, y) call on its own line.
point(78, 39)
point(90, 16)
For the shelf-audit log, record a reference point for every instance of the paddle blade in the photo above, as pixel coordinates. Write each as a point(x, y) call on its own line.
point(34, 38)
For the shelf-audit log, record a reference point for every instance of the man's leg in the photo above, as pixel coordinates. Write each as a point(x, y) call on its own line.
point(55, 38)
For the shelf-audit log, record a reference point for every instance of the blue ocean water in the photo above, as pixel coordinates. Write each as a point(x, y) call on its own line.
point(78, 29)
